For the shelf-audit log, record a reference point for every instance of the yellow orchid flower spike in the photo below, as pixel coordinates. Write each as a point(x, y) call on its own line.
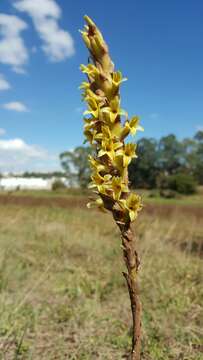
point(105, 131)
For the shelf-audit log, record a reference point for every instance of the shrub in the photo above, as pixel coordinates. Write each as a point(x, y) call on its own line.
point(58, 185)
point(181, 183)
point(168, 194)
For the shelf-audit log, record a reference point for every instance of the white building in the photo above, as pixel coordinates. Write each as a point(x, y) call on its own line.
point(20, 183)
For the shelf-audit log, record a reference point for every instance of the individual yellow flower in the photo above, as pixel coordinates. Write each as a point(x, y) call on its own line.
point(132, 204)
point(114, 109)
point(99, 181)
point(90, 135)
point(108, 148)
point(95, 164)
point(93, 108)
point(117, 78)
point(91, 70)
point(131, 127)
point(118, 164)
point(118, 187)
point(105, 133)
point(97, 203)
point(85, 85)
point(89, 123)
point(88, 93)
point(127, 153)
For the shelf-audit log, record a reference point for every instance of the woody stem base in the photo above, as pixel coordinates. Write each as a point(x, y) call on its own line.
point(132, 263)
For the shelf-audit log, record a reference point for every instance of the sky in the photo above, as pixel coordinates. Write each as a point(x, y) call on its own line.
point(156, 44)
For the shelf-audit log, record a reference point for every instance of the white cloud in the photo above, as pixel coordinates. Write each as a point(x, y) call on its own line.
point(57, 43)
point(15, 106)
point(2, 131)
point(4, 84)
point(20, 146)
point(17, 155)
point(12, 48)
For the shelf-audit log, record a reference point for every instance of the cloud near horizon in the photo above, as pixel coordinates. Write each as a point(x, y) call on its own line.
point(15, 106)
point(2, 132)
point(17, 155)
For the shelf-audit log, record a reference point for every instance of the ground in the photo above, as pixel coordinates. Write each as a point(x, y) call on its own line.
point(62, 293)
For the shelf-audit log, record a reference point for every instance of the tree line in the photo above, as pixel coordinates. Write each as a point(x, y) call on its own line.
point(159, 162)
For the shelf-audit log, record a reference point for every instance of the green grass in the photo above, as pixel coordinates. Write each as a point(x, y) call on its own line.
point(62, 294)
point(190, 200)
point(196, 199)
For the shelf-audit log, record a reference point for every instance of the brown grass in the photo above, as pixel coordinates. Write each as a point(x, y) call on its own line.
point(62, 294)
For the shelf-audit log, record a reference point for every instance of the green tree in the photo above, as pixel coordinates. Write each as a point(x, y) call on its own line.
point(189, 155)
point(198, 171)
point(76, 165)
point(143, 170)
point(170, 155)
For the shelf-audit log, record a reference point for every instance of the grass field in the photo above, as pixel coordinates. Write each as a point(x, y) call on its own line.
point(149, 196)
point(62, 291)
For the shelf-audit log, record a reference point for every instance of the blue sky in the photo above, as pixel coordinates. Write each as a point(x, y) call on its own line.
point(156, 44)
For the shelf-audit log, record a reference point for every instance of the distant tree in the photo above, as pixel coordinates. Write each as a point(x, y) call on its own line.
point(189, 155)
point(143, 170)
point(76, 165)
point(44, 175)
point(198, 171)
point(199, 136)
point(156, 160)
point(170, 155)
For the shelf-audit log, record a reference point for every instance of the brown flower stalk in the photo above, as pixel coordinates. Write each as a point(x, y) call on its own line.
point(106, 132)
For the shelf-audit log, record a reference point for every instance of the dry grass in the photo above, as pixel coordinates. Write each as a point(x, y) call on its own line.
point(63, 295)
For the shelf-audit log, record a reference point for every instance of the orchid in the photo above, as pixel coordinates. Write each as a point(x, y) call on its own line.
point(105, 131)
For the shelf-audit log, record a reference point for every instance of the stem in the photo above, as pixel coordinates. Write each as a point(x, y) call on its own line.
point(132, 263)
